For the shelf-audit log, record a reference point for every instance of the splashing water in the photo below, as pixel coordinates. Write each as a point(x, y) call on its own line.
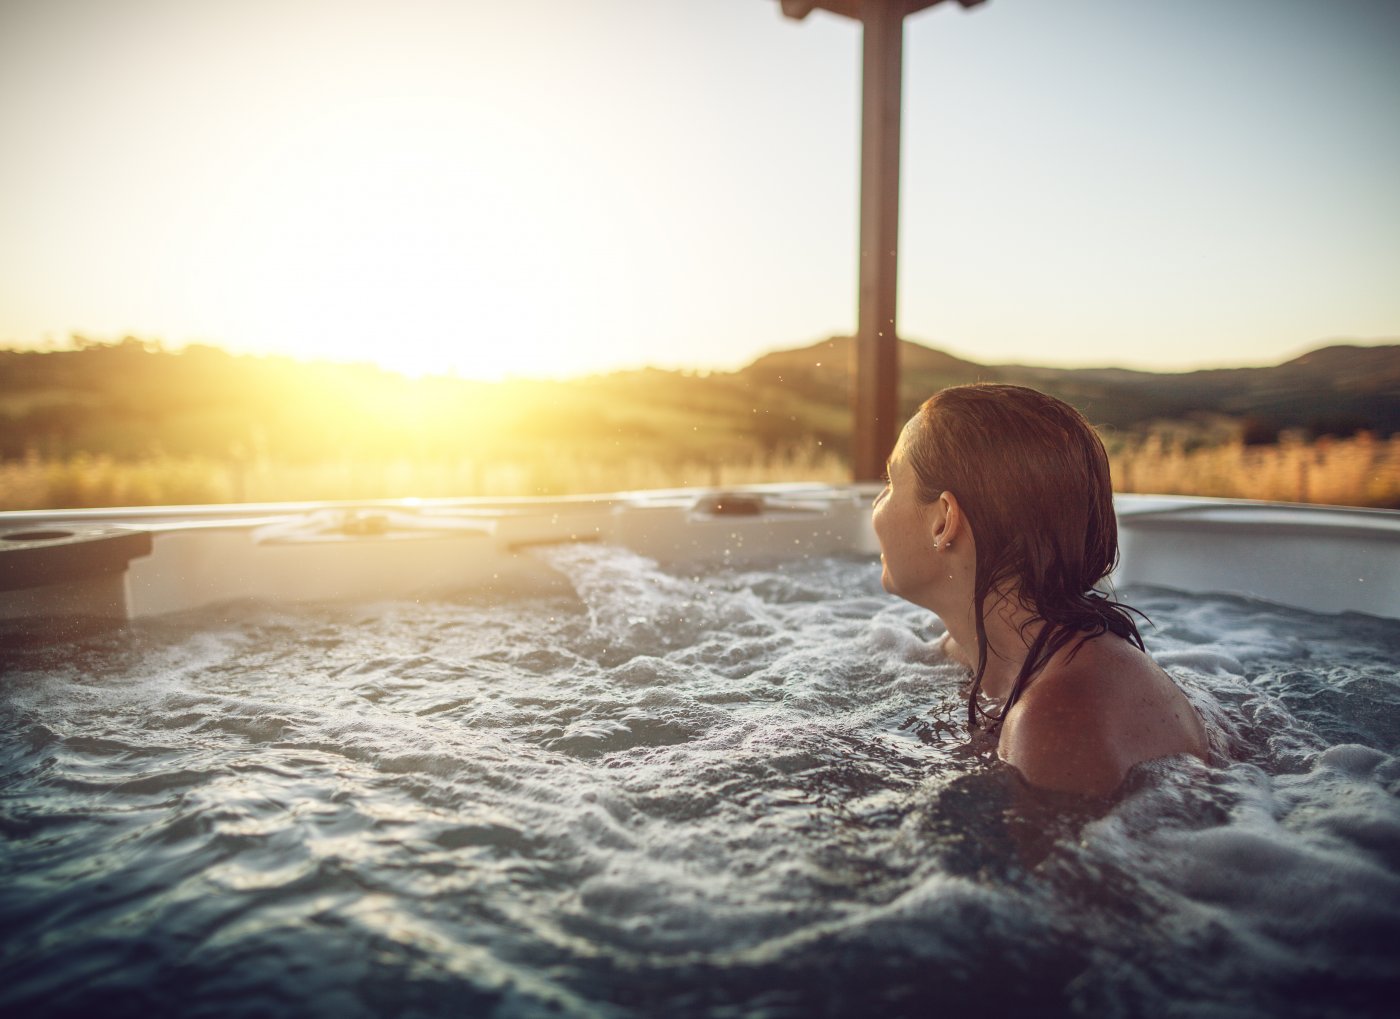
point(651, 793)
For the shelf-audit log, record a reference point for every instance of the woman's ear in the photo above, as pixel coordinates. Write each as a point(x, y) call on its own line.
point(948, 521)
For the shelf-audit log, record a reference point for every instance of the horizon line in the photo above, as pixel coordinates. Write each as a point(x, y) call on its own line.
point(77, 342)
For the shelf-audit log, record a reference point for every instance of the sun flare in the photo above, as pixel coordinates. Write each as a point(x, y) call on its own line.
point(378, 236)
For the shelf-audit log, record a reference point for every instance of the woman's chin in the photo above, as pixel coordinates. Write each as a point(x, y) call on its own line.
point(886, 581)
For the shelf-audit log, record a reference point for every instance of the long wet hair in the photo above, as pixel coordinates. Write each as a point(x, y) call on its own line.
point(1032, 477)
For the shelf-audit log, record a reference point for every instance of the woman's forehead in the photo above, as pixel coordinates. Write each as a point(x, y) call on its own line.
point(907, 435)
point(899, 456)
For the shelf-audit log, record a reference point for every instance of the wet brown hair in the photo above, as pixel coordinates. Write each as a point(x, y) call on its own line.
point(1032, 477)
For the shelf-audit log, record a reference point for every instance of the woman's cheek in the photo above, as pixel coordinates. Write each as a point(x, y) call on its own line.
point(877, 517)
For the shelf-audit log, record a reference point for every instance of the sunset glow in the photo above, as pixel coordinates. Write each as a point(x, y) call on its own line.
point(557, 189)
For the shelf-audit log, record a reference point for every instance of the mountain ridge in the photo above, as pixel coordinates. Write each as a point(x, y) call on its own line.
point(132, 399)
point(1339, 388)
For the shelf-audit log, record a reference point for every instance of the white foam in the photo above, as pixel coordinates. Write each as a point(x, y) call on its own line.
point(659, 772)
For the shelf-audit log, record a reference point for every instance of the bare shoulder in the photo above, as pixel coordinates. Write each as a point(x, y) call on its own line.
point(1092, 715)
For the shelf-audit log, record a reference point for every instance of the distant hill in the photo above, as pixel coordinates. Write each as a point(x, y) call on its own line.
point(133, 400)
point(1337, 389)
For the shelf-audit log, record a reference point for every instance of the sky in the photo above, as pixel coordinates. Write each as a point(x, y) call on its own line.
point(561, 187)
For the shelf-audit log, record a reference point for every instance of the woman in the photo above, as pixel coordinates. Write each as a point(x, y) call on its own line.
point(998, 516)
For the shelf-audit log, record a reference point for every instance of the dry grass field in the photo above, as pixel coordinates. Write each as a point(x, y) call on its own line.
point(34, 483)
point(1357, 471)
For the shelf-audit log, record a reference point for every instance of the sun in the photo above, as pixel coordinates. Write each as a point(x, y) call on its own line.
point(372, 237)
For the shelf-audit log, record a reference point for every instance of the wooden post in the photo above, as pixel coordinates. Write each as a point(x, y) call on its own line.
point(875, 396)
point(876, 383)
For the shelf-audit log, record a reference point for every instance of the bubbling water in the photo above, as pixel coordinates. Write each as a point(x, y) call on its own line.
point(652, 792)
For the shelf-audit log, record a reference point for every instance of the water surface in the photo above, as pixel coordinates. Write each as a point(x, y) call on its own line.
point(651, 793)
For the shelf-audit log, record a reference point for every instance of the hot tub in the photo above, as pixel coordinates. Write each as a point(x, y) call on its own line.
point(668, 754)
point(1324, 559)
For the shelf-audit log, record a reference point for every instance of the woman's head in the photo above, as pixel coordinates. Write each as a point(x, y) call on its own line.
point(1031, 479)
point(1031, 476)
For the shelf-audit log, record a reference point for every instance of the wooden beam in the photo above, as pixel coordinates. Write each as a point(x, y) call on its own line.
point(799, 9)
point(875, 388)
point(876, 383)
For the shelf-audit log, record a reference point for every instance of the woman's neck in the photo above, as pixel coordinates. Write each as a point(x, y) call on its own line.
point(1011, 629)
